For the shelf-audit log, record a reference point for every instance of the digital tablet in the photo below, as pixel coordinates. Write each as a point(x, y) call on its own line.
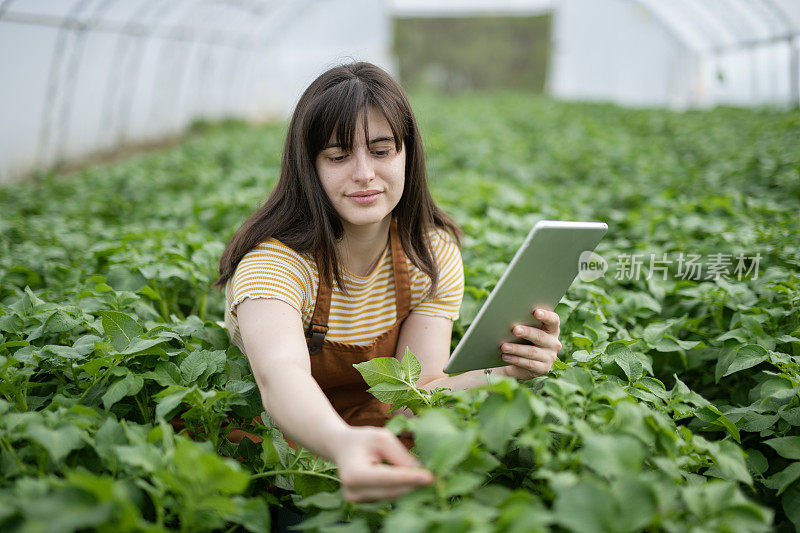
point(538, 276)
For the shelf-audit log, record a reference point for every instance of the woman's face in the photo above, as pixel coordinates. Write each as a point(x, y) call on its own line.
point(364, 185)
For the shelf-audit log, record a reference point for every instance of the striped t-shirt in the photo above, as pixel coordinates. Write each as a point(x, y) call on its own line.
point(273, 270)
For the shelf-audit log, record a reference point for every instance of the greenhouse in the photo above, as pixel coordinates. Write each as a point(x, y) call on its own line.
point(246, 246)
point(679, 54)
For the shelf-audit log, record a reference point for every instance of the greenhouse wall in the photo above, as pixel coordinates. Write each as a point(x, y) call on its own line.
point(88, 77)
point(678, 54)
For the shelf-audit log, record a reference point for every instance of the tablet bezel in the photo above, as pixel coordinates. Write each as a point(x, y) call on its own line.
point(572, 239)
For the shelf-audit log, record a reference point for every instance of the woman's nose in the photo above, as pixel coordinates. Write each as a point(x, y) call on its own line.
point(363, 170)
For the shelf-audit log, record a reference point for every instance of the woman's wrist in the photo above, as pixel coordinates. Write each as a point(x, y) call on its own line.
point(466, 380)
point(339, 443)
point(495, 372)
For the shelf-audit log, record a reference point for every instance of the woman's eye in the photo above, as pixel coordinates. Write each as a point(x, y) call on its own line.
point(337, 158)
point(381, 152)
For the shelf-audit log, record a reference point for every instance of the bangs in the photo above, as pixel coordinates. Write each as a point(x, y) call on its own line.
point(338, 110)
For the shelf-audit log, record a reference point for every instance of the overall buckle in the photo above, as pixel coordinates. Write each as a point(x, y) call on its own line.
point(317, 332)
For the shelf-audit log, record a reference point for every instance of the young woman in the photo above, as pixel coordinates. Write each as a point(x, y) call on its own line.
point(350, 259)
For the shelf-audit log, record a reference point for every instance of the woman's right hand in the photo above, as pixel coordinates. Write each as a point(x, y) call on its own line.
point(359, 457)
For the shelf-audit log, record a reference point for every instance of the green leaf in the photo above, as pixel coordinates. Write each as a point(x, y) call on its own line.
point(440, 443)
point(85, 344)
point(791, 504)
point(738, 334)
point(756, 461)
point(730, 461)
point(784, 478)
point(208, 473)
point(63, 352)
point(745, 357)
point(582, 342)
point(60, 322)
point(166, 374)
point(251, 513)
point(411, 367)
point(58, 442)
point(500, 419)
point(585, 508)
point(169, 402)
point(392, 393)
point(380, 370)
point(668, 343)
point(611, 455)
point(582, 356)
point(462, 483)
point(756, 422)
point(654, 331)
point(120, 328)
point(215, 363)
point(323, 500)
point(122, 278)
point(143, 456)
point(787, 447)
point(712, 415)
point(109, 434)
point(635, 502)
point(142, 346)
point(406, 520)
point(127, 386)
point(629, 363)
point(193, 366)
point(792, 415)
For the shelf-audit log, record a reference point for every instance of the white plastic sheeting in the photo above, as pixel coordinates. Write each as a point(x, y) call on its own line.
point(469, 8)
point(81, 77)
point(677, 53)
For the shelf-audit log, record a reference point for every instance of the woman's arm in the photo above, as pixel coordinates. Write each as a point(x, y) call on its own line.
point(272, 333)
point(428, 338)
point(273, 339)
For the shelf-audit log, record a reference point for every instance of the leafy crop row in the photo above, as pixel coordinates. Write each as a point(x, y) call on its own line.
point(675, 404)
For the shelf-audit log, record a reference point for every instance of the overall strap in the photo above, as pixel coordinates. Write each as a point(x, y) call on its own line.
point(402, 285)
point(318, 327)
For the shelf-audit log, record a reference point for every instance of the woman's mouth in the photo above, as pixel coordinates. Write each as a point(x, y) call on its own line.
point(364, 197)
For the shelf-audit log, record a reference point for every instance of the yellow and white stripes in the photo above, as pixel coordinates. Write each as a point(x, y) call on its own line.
point(273, 270)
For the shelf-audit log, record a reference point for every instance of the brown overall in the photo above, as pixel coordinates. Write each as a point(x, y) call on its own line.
point(332, 361)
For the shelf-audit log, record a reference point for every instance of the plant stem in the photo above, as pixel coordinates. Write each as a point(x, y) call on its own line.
point(109, 369)
point(296, 472)
point(296, 459)
point(141, 408)
point(444, 504)
point(203, 300)
point(162, 302)
point(422, 396)
point(10, 450)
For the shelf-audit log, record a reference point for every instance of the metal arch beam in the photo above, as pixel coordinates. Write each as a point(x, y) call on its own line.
point(121, 50)
point(726, 35)
point(241, 39)
point(71, 82)
point(4, 6)
point(794, 53)
point(53, 84)
point(278, 22)
point(666, 16)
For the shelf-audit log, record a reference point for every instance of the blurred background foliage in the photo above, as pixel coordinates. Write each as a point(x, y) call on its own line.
point(458, 54)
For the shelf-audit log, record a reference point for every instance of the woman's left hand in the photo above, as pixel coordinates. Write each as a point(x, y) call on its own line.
point(529, 361)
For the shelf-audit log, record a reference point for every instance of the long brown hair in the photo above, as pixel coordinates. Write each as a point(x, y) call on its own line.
point(298, 212)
